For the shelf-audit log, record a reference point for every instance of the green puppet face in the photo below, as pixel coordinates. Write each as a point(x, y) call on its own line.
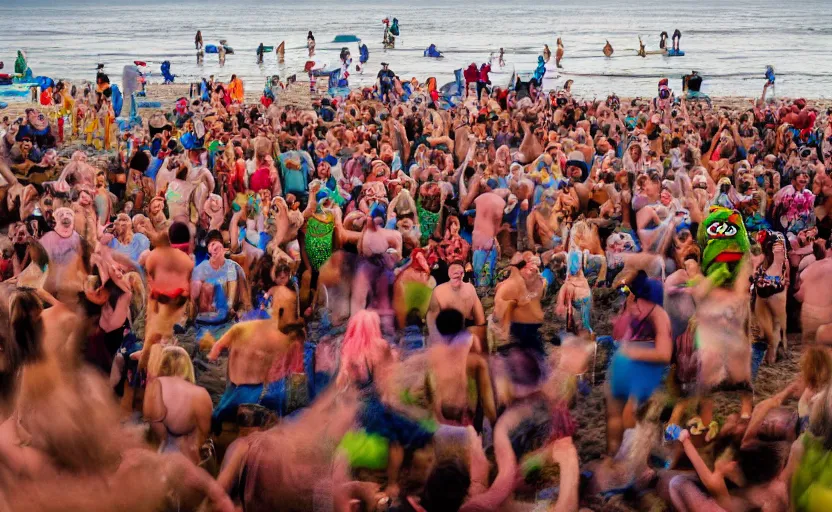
point(724, 241)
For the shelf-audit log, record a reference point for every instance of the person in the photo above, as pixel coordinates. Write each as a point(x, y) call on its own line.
point(608, 50)
point(483, 81)
point(559, 53)
point(816, 309)
point(198, 43)
point(642, 51)
point(677, 36)
point(663, 40)
point(134, 245)
point(385, 82)
point(214, 284)
point(235, 89)
point(179, 411)
point(260, 52)
point(462, 296)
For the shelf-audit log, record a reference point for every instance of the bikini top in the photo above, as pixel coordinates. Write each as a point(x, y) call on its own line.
point(642, 329)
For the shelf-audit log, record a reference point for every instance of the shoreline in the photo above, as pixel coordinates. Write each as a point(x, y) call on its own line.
point(298, 95)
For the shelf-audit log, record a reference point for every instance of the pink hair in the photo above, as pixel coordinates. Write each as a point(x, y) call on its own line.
point(362, 349)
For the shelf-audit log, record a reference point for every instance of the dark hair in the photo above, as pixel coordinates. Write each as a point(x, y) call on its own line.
point(760, 461)
point(414, 318)
point(450, 322)
point(179, 233)
point(140, 161)
point(446, 488)
point(213, 236)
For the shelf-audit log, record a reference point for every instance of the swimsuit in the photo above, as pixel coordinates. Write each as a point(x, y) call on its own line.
point(485, 262)
point(636, 379)
point(427, 222)
point(583, 309)
point(318, 240)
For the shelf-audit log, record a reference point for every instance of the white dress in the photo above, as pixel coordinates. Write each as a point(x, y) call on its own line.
point(550, 77)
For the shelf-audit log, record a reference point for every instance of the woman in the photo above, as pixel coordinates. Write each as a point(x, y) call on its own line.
point(198, 40)
point(771, 280)
point(639, 365)
point(550, 71)
point(179, 411)
point(381, 434)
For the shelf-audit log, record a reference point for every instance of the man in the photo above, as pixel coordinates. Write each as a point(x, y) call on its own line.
point(816, 313)
point(489, 208)
point(462, 296)
point(123, 240)
point(260, 354)
point(214, 284)
point(543, 226)
point(385, 82)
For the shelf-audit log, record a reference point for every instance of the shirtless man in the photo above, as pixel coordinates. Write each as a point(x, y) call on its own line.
point(463, 297)
point(285, 306)
point(452, 364)
point(517, 306)
point(543, 225)
point(559, 53)
point(169, 269)
point(259, 355)
point(816, 312)
point(489, 207)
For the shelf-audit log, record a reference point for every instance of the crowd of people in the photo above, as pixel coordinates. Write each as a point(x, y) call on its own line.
point(378, 282)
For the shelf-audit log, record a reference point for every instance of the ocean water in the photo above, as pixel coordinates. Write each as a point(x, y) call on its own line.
point(729, 42)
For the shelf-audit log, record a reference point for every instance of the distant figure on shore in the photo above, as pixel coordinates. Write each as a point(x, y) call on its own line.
point(310, 43)
point(198, 40)
point(663, 40)
point(260, 52)
point(608, 51)
point(281, 52)
point(502, 58)
point(642, 51)
point(559, 53)
point(221, 53)
point(677, 36)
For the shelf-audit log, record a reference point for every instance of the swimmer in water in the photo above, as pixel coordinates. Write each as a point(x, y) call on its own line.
point(608, 51)
point(642, 51)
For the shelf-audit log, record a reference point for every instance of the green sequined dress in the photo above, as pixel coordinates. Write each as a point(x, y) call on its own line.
point(427, 222)
point(319, 240)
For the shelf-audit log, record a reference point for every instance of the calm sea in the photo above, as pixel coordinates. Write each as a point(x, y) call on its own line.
point(729, 42)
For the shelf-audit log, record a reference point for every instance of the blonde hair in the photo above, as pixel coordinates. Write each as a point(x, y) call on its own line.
point(175, 362)
point(816, 367)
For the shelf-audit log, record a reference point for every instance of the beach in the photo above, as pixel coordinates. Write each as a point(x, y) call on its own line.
point(730, 44)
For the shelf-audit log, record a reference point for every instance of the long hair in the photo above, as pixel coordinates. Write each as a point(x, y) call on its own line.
point(362, 349)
